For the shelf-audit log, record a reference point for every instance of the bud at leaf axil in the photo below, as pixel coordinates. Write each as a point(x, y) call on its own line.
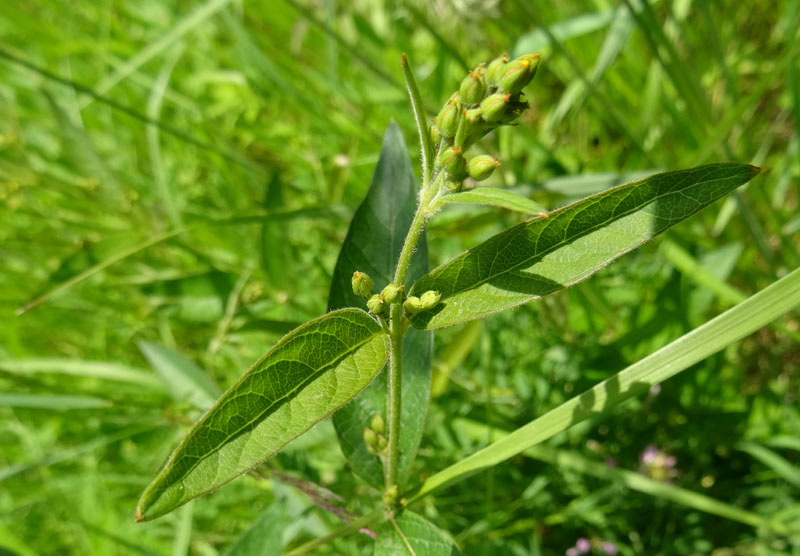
point(392, 294)
point(412, 305)
point(370, 437)
point(362, 284)
point(494, 106)
point(481, 167)
point(453, 161)
point(377, 423)
point(473, 87)
point(430, 299)
point(376, 305)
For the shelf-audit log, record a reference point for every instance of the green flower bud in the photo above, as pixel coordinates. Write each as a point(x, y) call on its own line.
point(362, 284)
point(494, 67)
point(412, 305)
point(453, 161)
point(392, 294)
point(454, 186)
point(473, 115)
point(447, 119)
point(494, 106)
point(473, 87)
point(430, 299)
point(481, 167)
point(376, 305)
point(370, 437)
point(436, 135)
point(390, 496)
point(377, 423)
point(382, 443)
point(518, 73)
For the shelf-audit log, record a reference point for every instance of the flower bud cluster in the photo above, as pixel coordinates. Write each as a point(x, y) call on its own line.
point(489, 96)
point(378, 304)
point(374, 438)
point(427, 300)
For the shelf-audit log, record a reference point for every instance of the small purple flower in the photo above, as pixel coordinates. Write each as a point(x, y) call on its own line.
point(573, 552)
point(583, 546)
point(611, 462)
point(670, 462)
point(655, 390)
point(609, 548)
point(649, 455)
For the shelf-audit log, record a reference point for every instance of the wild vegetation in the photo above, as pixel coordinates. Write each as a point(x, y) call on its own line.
point(177, 182)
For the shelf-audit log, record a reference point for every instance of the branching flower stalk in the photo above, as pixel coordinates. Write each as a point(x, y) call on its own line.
point(489, 96)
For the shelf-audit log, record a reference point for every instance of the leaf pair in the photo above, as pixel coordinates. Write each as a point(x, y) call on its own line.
point(320, 366)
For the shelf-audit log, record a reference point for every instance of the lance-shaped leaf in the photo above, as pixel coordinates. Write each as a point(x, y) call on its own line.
point(541, 256)
point(306, 376)
point(373, 245)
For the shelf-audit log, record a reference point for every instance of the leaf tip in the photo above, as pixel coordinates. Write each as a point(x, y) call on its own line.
point(404, 59)
point(139, 517)
point(755, 169)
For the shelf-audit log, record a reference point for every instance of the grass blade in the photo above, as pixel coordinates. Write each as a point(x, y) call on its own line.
point(736, 323)
point(630, 479)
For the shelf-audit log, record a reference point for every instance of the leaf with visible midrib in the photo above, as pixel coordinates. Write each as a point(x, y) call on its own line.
point(305, 377)
point(373, 245)
point(424, 538)
point(541, 256)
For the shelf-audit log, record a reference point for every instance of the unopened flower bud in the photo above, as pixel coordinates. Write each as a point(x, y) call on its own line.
point(447, 119)
point(518, 73)
point(392, 294)
point(370, 437)
point(377, 423)
point(494, 67)
point(494, 106)
point(376, 305)
point(412, 305)
point(482, 166)
point(473, 87)
point(436, 135)
point(362, 284)
point(453, 161)
point(473, 115)
point(430, 299)
point(454, 186)
point(390, 496)
point(382, 443)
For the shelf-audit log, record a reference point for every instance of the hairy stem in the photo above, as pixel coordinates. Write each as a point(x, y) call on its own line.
point(397, 326)
point(394, 394)
point(397, 330)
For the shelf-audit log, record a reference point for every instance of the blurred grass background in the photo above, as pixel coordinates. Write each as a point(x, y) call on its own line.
point(175, 181)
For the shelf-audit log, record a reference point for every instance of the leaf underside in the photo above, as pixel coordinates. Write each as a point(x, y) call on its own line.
point(372, 245)
point(424, 538)
point(546, 254)
point(311, 372)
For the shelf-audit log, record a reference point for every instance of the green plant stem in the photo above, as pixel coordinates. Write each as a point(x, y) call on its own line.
point(394, 394)
point(397, 330)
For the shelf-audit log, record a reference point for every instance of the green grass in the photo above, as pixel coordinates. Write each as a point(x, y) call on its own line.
point(183, 174)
